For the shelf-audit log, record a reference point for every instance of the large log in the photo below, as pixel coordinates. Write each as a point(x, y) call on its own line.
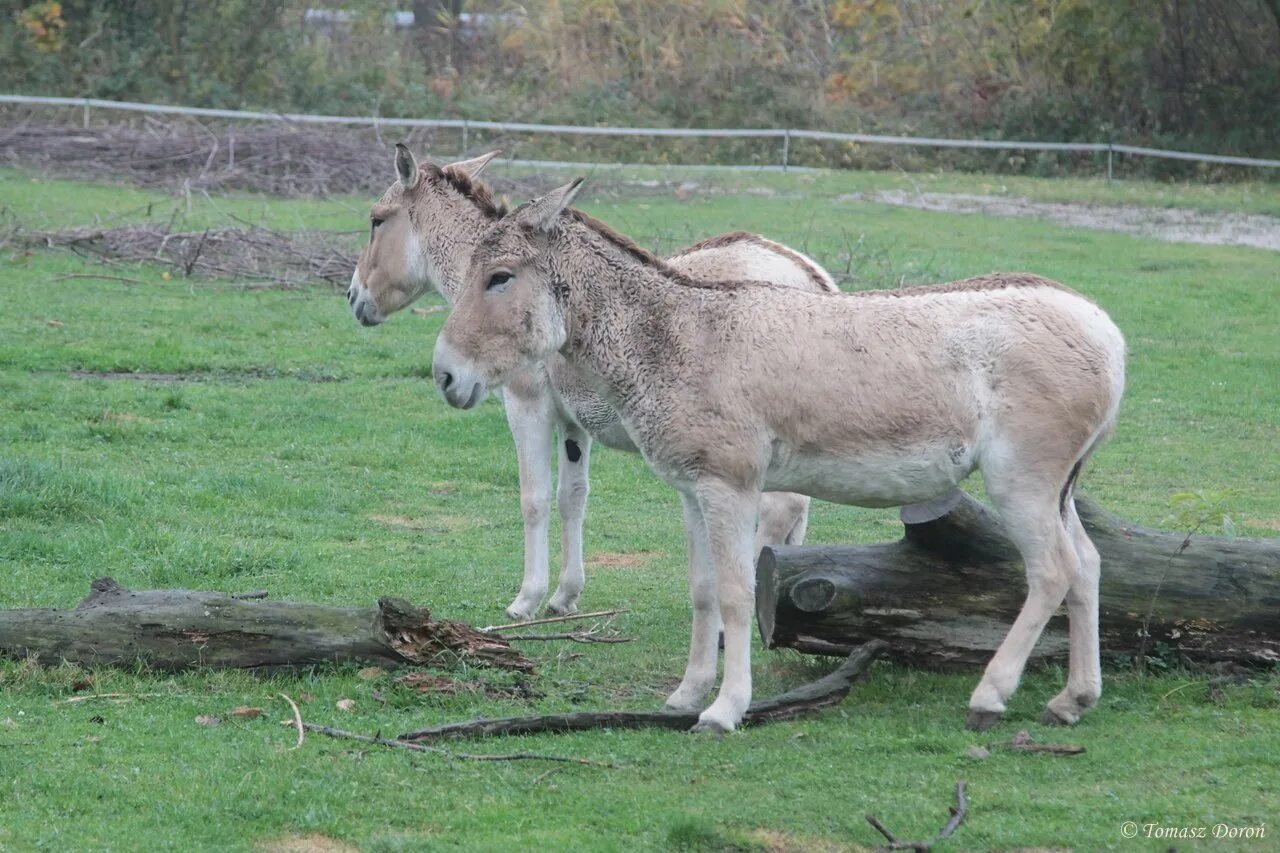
point(946, 593)
point(176, 629)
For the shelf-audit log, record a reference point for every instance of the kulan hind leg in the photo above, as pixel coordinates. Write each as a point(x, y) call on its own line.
point(784, 518)
point(1038, 530)
point(1084, 681)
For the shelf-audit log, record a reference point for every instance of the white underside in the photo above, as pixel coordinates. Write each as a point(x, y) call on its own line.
point(869, 479)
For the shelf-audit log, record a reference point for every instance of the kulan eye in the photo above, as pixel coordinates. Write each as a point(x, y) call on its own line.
point(497, 280)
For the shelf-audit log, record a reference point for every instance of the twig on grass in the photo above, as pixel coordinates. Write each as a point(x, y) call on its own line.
point(823, 693)
point(329, 731)
point(958, 813)
point(574, 636)
point(1051, 748)
point(550, 619)
point(85, 698)
point(297, 721)
point(1021, 742)
point(285, 259)
point(97, 277)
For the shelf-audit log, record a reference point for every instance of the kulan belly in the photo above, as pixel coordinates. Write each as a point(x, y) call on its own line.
point(873, 479)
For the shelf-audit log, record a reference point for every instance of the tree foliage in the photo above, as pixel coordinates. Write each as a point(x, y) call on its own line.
point(1199, 74)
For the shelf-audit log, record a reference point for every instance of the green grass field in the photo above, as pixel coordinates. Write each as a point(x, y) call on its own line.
point(311, 457)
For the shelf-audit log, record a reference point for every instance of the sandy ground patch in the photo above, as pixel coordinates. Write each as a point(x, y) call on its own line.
point(424, 523)
point(618, 560)
point(313, 843)
point(777, 841)
point(1175, 225)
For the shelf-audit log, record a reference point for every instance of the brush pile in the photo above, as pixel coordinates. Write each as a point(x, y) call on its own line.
point(257, 255)
point(274, 158)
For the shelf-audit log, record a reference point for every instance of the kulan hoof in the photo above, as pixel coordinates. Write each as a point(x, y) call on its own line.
point(557, 608)
point(980, 721)
point(709, 727)
point(1051, 717)
point(518, 612)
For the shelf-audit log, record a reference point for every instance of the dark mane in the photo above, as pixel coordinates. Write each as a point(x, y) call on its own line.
point(472, 190)
point(720, 241)
point(651, 260)
point(991, 281)
point(624, 243)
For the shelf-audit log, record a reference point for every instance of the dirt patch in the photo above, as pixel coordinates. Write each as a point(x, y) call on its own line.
point(312, 843)
point(619, 560)
point(777, 841)
point(137, 377)
point(424, 523)
point(1174, 225)
point(110, 417)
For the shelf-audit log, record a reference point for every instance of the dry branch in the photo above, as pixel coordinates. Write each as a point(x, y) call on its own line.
point(572, 617)
point(297, 720)
point(98, 277)
point(573, 636)
point(329, 731)
point(958, 813)
point(1022, 742)
point(823, 693)
point(283, 259)
point(186, 155)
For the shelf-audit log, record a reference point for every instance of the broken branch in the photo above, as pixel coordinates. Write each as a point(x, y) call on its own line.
point(958, 814)
point(329, 731)
point(550, 619)
point(297, 721)
point(823, 693)
point(574, 636)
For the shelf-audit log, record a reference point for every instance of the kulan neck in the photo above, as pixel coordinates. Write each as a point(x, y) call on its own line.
point(615, 307)
point(448, 258)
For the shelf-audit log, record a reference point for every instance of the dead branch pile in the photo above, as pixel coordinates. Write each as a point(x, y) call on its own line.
point(252, 253)
point(274, 158)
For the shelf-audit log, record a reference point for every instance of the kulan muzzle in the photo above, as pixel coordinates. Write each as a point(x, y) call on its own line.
point(457, 378)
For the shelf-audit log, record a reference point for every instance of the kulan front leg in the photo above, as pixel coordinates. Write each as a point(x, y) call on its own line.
point(572, 490)
point(532, 423)
point(700, 674)
point(729, 515)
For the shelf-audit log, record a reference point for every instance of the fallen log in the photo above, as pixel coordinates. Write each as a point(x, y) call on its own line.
point(825, 692)
point(176, 629)
point(946, 593)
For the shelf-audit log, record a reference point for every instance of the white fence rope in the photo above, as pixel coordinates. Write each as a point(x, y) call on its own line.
point(786, 135)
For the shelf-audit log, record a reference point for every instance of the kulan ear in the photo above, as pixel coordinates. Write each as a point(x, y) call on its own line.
point(542, 213)
point(473, 167)
point(406, 167)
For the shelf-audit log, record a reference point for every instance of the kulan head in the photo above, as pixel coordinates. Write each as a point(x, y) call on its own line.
point(412, 228)
point(507, 317)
